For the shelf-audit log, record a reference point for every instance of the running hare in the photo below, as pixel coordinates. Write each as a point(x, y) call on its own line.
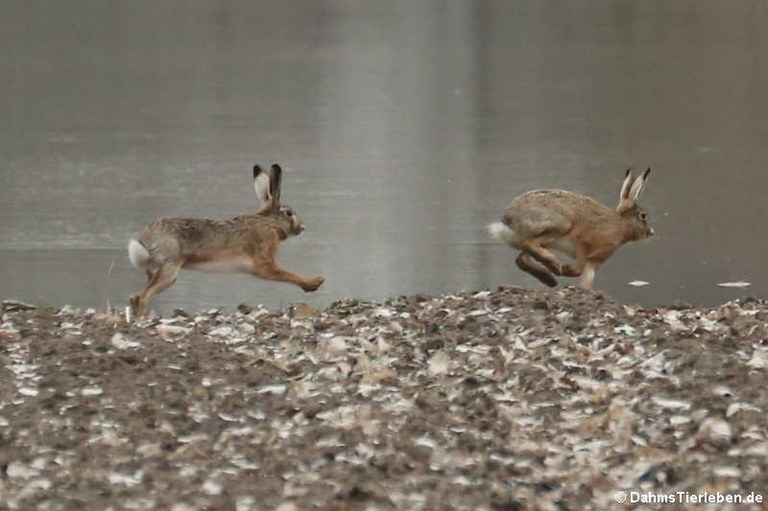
point(244, 244)
point(572, 224)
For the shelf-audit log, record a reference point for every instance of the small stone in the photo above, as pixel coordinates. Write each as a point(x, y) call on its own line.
point(716, 431)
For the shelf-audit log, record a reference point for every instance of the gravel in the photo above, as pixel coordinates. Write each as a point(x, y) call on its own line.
point(493, 400)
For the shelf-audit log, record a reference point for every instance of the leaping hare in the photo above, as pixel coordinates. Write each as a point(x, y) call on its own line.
point(572, 224)
point(244, 244)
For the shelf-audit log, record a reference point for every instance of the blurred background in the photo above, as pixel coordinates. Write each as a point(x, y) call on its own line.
point(403, 128)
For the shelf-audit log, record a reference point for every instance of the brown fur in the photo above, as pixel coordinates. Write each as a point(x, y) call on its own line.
point(245, 244)
point(576, 225)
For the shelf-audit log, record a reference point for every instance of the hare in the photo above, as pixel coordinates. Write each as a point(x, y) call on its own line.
point(244, 244)
point(572, 224)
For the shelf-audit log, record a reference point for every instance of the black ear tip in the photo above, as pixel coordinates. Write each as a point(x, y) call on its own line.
point(275, 166)
point(256, 170)
point(628, 172)
point(647, 172)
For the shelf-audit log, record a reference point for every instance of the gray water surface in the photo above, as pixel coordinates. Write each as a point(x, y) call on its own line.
point(403, 129)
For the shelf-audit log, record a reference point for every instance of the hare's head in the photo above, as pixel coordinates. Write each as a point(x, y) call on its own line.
point(635, 216)
point(267, 185)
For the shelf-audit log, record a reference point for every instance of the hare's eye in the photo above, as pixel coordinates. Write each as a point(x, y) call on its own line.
point(643, 216)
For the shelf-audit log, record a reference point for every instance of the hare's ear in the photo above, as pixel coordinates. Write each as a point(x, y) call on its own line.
point(624, 193)
point(261, 183)
point(624, 202)
point(637, 185)
point(276, 175)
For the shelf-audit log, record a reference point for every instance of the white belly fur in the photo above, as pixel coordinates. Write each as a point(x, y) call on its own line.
point(237, 265)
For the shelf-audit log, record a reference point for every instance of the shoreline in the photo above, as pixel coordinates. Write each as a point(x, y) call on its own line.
point(505, 399)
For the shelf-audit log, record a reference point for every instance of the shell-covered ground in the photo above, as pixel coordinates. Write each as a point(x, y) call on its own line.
point(495, 400)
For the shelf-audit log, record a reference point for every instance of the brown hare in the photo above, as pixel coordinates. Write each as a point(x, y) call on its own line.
point(244, 244)
point(572, 224)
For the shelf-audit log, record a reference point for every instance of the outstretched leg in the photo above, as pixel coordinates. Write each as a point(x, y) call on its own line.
point(159, 280)
point(525, 263)
point(271, 271)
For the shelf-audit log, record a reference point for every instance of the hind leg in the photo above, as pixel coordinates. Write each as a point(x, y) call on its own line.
point(546, 258)
point(138, 307)
point(525, 263)
point(160, 279)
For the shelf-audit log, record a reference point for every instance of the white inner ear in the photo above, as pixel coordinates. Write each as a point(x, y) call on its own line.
point(261, 185)
point(637, 187)
point(625, 187)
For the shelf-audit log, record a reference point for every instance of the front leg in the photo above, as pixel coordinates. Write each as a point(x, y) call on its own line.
point(588, 275)
point(271, 271)
point(580, 259)
point(583, 268)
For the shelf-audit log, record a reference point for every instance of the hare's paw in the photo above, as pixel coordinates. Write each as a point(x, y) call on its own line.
point(312, 284)
point(138, 308)
point(546, 278)
point(570, 271)
point(542, 275)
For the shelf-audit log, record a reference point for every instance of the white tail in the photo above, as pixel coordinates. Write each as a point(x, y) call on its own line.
point(501, 232)
point(137, 254)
